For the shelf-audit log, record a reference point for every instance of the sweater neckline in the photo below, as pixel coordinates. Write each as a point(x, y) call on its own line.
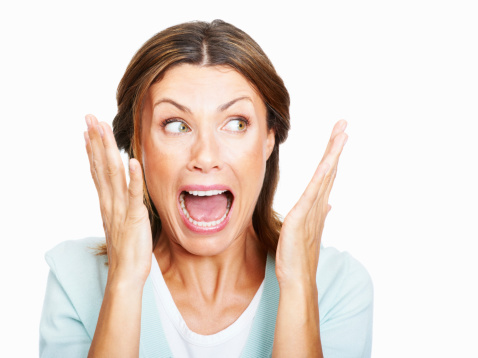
point(178, 322)
point(153, 341)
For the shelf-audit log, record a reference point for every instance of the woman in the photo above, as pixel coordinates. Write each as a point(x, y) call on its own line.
point(198, 263)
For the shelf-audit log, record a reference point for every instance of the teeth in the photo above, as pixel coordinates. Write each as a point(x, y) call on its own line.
point(204, 193)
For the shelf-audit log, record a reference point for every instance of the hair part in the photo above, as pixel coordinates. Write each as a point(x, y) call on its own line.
point(205, 44)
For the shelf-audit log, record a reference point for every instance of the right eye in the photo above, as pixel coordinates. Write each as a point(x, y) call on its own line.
point(176, 126)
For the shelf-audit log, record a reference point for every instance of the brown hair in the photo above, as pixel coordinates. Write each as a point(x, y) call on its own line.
point(205, 44)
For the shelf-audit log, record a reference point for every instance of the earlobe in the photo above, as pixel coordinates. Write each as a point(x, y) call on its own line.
point(271, 139)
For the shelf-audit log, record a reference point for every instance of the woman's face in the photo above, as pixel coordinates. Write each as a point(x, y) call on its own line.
point(205, 145)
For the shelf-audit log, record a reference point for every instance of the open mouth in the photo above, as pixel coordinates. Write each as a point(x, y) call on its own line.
point(206, 209)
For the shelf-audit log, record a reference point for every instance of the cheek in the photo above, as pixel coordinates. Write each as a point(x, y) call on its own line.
point(248, 160)
point(159, 170)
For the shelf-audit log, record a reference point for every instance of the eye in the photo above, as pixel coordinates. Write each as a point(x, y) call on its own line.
point(175, 126)
point(237, 125)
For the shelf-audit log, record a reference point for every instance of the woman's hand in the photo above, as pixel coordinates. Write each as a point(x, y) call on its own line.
point(128, 241)
point(299, 243)
point(125, 217)
point(297, 258)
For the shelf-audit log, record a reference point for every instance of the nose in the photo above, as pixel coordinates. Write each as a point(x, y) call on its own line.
point(205, 153)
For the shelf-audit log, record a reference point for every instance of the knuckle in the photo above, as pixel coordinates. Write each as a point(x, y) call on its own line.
point(93, 174)
point(112, 169)
point(119, 211)
point(341, 139)
point(337, 140)
point(97, 165)
point(327, 180)
point(135, 191)
point(137, 218)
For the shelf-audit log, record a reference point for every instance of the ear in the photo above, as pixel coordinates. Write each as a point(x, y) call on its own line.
point(271, 140)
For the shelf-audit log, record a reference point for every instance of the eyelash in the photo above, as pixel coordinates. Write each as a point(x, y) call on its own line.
point(244, 119)
point(171, 120)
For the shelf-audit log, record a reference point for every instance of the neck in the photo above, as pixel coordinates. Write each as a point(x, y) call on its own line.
point(240, 267)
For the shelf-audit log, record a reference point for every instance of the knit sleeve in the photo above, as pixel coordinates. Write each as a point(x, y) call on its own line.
point(347, 312)
point(62, 334)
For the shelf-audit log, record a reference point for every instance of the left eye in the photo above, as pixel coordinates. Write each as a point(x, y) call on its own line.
point(236, 125)
point(176, 127)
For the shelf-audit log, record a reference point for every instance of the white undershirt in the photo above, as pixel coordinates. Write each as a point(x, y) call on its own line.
point(185, 343)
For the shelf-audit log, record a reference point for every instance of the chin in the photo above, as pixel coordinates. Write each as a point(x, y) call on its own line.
point(205, 246)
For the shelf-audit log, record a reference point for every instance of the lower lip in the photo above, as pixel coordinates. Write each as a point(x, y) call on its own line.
point(205, 229)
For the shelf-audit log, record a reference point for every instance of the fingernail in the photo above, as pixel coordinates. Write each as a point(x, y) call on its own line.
point(100, 129)
point(131, 168)
point(344, 125)
point(88, 121)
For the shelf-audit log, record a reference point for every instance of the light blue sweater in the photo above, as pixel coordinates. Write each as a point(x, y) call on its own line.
point(77, 281)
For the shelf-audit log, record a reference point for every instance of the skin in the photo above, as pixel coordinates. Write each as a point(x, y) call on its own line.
point(222, 270)
point(213, 151)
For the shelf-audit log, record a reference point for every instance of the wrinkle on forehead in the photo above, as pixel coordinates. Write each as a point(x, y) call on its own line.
point(203, 88)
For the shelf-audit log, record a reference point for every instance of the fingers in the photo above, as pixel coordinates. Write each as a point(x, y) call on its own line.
point(309, 197)
point(324, 176)
point(332, 153)
point(317, 192)
point(90, 159)
point(114, 165)
point(332, 159)
point(98, 158)
point(106, 165)
point(339, 127)
point(337, 131)
point(135, 189)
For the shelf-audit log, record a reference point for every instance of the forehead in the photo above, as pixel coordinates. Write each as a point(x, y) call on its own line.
point(198, 85)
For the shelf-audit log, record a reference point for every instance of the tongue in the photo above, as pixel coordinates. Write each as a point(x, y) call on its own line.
point(206, 208)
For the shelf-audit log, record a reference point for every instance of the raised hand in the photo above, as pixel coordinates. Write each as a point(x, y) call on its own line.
point(297, 258)
point(299, 243)
point(125, 217)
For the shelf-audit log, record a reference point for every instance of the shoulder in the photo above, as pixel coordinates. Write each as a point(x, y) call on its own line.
point(335, 264)
point(345, 293)
point(80, 276)
point(83, 248)
point(73, 257)
point(342, 282)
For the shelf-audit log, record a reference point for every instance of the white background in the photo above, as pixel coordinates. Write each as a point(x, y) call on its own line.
point(405, 76)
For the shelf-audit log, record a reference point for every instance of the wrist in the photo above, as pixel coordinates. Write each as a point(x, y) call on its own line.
point(301, 281)
point(299, 290)
point(124, 283)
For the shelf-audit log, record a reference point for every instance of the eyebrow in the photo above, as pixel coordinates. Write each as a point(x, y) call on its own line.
point(225, 106)
point(174, 103)
point(221, 108)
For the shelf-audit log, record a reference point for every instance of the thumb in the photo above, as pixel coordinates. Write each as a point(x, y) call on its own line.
point(135, 188)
